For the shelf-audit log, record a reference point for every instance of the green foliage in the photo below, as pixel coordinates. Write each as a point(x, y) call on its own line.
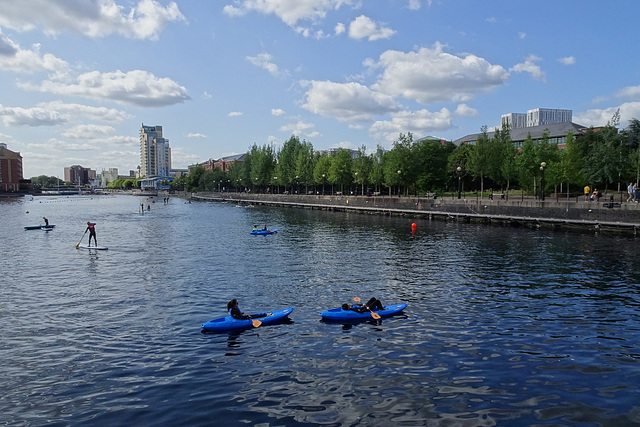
point(44, 181)
point(597, 157)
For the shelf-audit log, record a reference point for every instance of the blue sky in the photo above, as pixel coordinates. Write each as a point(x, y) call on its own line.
point(79, 77)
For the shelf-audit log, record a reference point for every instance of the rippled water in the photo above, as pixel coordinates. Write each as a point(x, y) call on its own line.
point(504, 326)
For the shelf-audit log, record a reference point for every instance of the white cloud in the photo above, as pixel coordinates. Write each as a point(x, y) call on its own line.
point(180, 158)
point(265, 61)
point(567, 60)
point(196, 135)
point(235, 114)
point(347, 101)
point(277, 112)
point(416, 4)
point(430, 75)
point(600, 117)
point(364, 27)
point(37, 116)
point(340, 28)
point(86, 130)
point(465, 110)
point(136, 87)
point(92, 18)
point(418, 123)
point(289, 11)
point(632, 92)
point(522, 35)
point(529, 66)
point(104, 114)
point(205, 95)
point(55, 113)
point(13, 58)
point(99, 136)
point(301, 129)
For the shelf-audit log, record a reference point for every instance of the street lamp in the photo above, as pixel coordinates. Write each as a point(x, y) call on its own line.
point(399, 173)
point(459, 171)
point(543, 165)
point(275, 179)
point(323, 175)
point(356, 179)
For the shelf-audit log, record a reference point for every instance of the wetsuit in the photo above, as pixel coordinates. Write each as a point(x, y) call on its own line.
point(91, 226)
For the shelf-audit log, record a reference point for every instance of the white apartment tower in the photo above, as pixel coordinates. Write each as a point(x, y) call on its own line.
point(155, 153)
point(547, 116)
point(515, 120)
point(537, 117)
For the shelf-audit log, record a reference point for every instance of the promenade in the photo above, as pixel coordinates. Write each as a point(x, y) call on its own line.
point(605, 215)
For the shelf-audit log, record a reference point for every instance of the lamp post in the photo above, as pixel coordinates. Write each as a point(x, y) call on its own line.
point(459, 171)
point(543, 165)
point(356, 179)
point(275, 179)
point(297, 185)
point(323, 175)
point(399, 173)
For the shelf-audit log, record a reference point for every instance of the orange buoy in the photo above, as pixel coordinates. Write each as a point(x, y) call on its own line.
point(413, 226)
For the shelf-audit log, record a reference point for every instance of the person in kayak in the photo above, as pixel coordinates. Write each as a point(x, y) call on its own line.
point(91, 226)
point(372, 304)
point(46, 221)
point(255, 228)
point(235, 312)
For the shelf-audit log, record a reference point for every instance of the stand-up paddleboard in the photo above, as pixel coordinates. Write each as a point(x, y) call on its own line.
point(96, 248)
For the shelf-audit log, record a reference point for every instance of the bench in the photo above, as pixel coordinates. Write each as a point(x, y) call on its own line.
point(492, 195)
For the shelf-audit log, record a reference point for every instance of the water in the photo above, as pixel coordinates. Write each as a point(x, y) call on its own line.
point(504, 326)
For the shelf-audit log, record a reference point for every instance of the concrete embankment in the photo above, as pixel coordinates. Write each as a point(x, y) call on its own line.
point(610, 216)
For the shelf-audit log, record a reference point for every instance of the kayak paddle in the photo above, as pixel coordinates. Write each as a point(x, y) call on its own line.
point(373, 314)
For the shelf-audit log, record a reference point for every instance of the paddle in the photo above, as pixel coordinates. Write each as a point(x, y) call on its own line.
point(85, 232)
point(373, 314)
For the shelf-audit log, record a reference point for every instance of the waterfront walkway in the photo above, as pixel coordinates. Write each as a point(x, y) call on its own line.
point(603, 216)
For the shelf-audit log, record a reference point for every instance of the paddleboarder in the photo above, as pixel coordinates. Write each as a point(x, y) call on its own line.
point(91, 227)
point(46, 221)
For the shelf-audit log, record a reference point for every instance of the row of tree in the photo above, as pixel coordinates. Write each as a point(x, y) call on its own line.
point(604, 157)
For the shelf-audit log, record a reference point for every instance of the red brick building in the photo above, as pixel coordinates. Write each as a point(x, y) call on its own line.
point(11, 179)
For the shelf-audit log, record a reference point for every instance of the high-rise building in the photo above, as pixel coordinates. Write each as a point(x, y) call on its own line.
point(537, 117)
point(79, 175)
point(155, 153)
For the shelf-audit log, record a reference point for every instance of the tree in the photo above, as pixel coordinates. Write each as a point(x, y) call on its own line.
point(305, 164)
point(340, 169)
point(361, 168)
point(321, 170)
point(479, 158)
point(287, 157)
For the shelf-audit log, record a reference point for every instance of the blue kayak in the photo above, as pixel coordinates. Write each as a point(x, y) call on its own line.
point(228, 323)
point(263, 232)
point(340, 314)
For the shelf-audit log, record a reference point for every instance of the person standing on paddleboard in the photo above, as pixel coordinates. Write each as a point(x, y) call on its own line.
point(46, 221)
point(91, 226)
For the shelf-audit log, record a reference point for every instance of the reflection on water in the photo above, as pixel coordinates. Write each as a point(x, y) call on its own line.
point(504, 326)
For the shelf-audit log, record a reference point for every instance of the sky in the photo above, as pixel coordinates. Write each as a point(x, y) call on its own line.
point(78, 78)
